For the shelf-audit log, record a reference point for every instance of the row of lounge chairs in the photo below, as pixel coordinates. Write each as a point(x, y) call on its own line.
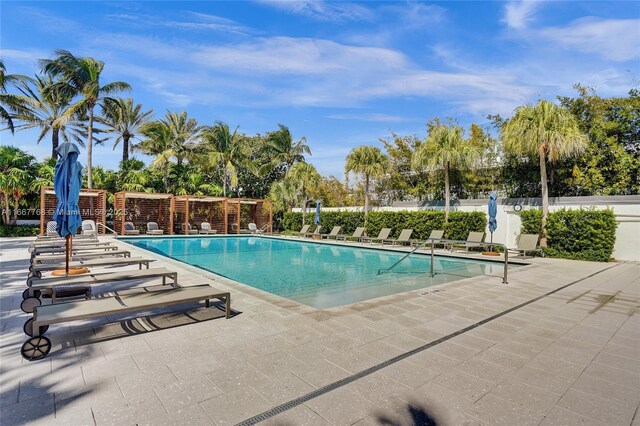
point(72, 297)
point(526, 243)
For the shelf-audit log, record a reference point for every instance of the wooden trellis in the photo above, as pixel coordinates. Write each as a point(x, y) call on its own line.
point(242, 211)
point(141, 208)
point(92, 204)
point(194, 210)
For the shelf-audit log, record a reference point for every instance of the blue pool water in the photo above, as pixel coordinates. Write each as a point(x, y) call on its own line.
point(318, 275)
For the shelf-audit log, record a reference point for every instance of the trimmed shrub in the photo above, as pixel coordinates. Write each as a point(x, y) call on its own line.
point(19, 230)
point(575, 234)
point(422, 222)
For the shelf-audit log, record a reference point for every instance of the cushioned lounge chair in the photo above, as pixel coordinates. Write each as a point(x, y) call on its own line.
point(190, 230)
point(51, 229)
point(357, 235)
point(253, 229)
point(152, 229)
point(130, 229)
point(382, 237)
point(205, 228)
point(89, 227)
point(526, 243)
point(333, 234)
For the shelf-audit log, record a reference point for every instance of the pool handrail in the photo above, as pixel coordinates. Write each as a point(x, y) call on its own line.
point(433, 241)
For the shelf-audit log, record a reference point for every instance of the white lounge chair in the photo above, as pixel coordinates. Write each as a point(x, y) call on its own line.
point(89, 227)
point(190, 229)
point(253, 228)
point(51, 229)
point(152, 229)
point(205, 228)
point(435, 235)
point(130, 229)
point(303, 231)
point(403, 238)
point(314, 234)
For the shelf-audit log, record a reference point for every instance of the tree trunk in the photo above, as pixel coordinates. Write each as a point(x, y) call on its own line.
point(447, 195)
point(6, 214)
point(545, 200)
point(125, 148)
point(224, 181)
point(165, 176)
point(55, 141)
point(15, 210)
point(304, 205)
point(90, 149)
point(366, 198)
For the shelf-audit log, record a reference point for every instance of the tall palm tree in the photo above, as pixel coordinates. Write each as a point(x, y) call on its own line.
point(370, 162)
point(82, 76)
point(547, 131)
point(306, 177)
point(285, 149)
point(16, 178)
point(10, 103)
point(123, 119)
point(185, 132)
point(47, 104)
point(445, 149)
point(158, 143)
point(227, 150)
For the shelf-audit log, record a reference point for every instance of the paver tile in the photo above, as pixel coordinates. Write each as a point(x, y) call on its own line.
point(300, 415)
point(341, 406)
point(471, 387)
point(596, 408)
point(245, 401)
point(562, 417)
point(408, 373)
point(526, 396)
point(180, 394)
point(497, 411)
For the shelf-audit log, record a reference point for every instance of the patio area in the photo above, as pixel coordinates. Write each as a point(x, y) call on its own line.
point(558, 345)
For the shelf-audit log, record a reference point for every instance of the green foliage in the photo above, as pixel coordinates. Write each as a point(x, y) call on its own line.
point(575, 234)
point(422, 222)
point(19, 230)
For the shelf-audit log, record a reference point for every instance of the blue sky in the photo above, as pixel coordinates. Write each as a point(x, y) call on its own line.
point(343, 74)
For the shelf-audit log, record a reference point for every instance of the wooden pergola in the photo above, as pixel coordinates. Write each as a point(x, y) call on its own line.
point(242, 211)
point(192, 209)
point(141, 208)
point(92, 204)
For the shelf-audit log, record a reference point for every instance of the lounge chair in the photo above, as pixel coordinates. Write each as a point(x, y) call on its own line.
point(35, 260)
point(152, 229)
point(436, 234)
point(89, 227)
point(333, 234)
point(526, 243)
point(61, 244)
point(473, 240)
point(357, 235)
point(403, 238)
point(39, 346)
point(205, 228)
point(315, 233)
point(382, 237)
point(303, 231)
point(130, 229)
point(51, 229)
point(253, 229)
point(190, 229)
point(37, 251)
point(55, 284)
point(37, 270)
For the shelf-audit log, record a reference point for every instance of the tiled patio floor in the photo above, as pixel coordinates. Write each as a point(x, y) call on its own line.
point(570, 358)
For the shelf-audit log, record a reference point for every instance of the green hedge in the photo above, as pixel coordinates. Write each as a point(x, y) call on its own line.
point(19, 230)
point(575, 234)
point(422, 222)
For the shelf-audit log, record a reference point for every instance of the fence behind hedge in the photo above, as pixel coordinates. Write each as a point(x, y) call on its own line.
point(422, 222)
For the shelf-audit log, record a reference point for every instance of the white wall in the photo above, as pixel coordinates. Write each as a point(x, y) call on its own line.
point(626, 209)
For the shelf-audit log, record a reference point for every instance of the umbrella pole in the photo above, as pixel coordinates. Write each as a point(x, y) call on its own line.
point(67, 251)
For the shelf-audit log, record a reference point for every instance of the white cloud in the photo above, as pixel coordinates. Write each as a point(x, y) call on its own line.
point(613, 39)
point(518, 14)
point(375, 117)
point(333, 11)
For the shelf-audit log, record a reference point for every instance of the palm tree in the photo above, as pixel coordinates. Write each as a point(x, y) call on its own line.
point(228, 150)
point(371, 163)
point(123, 119)
point(547, 131)
point(185, 132)
point(284, 194)
point(158, 138)
point(285, 150)
point(306, 177)
point(16, 177)
point(133, 176)
point(445, 149)
point(82, 76)
point(47, 104)
point(13, 103)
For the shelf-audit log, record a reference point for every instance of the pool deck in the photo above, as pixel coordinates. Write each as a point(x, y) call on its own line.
point(558, 345)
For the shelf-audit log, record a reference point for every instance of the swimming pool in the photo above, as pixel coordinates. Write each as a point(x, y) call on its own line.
point(315, 274)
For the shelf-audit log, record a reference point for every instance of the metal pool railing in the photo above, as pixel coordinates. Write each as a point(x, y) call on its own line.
point(444, 241)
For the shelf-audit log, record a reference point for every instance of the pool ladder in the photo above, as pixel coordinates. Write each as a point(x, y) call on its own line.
point(442, 240)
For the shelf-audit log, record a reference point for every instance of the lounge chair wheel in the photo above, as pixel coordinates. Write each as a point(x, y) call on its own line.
point(25, 294)
point(28, 328)
point(35, 348)
point(29, 303)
